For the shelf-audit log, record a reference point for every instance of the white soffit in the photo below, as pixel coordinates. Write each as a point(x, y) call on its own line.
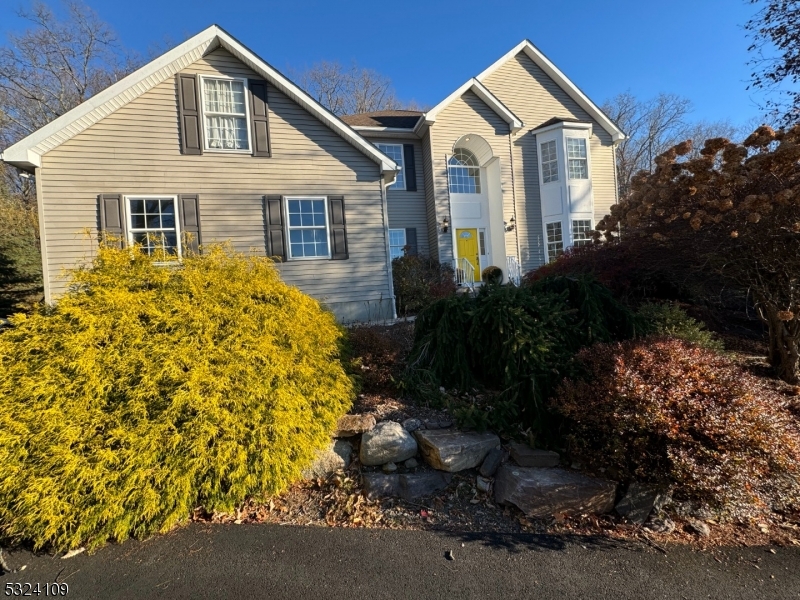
point(562, 81)
point(484, 94)
point(27, 152)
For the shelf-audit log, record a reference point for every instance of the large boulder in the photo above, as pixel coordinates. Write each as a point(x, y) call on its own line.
point(351, 425)
point(386, 442)
point(543, 493)
point(333, 458)
point(451, 450)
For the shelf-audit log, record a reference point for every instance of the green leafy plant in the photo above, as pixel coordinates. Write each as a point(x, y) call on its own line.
point(670, 320)
point(148, 391)
point(666, 411)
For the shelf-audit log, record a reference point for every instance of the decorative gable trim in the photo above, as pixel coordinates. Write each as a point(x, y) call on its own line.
point(562, 81)
point(480, 90)
point(27, 153)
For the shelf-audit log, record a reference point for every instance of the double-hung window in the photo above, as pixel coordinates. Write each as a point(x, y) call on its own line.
point(225, 114)
point(395, 152)
point(153, 223)
point(549, 162)
point(555, 240)
point(577, 158)
point(308, 227)
point(580, 232)
point(397, 243)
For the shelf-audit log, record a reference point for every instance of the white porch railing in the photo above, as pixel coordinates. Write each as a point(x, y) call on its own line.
point(464, 272)
point(514, 270)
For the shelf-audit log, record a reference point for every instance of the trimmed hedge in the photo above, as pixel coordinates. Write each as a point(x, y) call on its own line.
point(148, 391)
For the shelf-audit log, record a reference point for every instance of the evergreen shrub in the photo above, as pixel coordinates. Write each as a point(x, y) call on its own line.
point(663, 410)
point(148, 391)
point(418, 281)
point(492, 275)
point(670, 320)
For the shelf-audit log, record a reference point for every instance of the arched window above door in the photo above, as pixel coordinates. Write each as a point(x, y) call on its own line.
point(464, 172)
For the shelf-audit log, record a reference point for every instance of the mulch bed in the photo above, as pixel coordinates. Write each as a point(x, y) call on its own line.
point(337, 501)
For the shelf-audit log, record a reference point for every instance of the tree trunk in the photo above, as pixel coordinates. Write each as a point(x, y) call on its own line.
point(784, 353)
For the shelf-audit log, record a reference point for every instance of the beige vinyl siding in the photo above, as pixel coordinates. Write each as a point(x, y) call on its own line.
point(136, 151)
point(535, 98)
point(469, 114)
point(407, 209)
point(426, 167)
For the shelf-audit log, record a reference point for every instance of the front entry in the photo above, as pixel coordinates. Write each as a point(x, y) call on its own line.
point(467, 247)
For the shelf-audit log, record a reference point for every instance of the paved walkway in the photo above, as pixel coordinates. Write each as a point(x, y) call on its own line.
point(266, 561)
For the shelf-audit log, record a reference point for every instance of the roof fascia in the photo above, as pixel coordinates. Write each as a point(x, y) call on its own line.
point(561, 125)
point(574, 92)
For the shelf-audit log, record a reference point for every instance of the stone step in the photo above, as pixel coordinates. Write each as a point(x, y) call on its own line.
point(525, 456)
point(408, 486)
point(452, 450)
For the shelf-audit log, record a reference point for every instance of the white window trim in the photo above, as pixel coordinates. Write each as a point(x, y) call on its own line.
point(246, 115)
point(289, 228)
point(129, 224)
point(405, 240)
point(568, 137)
point(394, 186)
point(548, 242)
point(559, 170)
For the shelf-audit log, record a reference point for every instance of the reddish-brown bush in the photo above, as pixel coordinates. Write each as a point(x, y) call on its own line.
point(662, 410)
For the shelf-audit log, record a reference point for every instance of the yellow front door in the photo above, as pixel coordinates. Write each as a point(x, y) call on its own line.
point(467, 247)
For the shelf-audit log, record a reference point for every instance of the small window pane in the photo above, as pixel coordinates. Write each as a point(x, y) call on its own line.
point(137, 206)
point(137, 221)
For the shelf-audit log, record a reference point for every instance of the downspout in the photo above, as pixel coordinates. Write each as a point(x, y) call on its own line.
point(387, 249)
point(48, 294)
point(616, 185)
point(514, 200)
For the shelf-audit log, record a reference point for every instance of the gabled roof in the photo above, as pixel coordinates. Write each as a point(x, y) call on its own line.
point(392, 119)
point(484, 94)
point(27, 153)
point(563, 82)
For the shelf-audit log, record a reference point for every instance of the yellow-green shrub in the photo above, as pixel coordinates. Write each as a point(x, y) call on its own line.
point(148, 391)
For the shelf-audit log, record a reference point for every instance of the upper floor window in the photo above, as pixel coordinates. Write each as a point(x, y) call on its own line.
point(464, 172)
point(576, 158)
point(395, 152)
point(549, 162)
point(225, 114)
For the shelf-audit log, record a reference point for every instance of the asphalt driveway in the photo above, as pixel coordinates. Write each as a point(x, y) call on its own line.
point(269, 561)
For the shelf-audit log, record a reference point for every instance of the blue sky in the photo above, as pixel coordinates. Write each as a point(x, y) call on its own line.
point(694, 48)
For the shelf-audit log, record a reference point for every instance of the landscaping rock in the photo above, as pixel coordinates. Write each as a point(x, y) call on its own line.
point(411, 425)
point(438, 423)
point(525, 456)
point(378, 485)
point(660, 523)
point(699, 527)
point(544, 493)
point(411, 463)
point(482, 484)
point(386, 442)
point(640, 500)
point(333, 458)
point(451, 450)
point(491, 462)
point(389, 467)
point(350, 425)
point(417, 485)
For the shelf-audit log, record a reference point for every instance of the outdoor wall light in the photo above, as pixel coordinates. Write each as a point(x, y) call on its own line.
point(510, 225)
point(445, 225)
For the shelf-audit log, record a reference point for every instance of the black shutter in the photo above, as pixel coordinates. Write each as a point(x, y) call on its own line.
point(189, 114)
point(338, 227)
point(189, 209)
point(409, 167)
point(411, 241)
point(112, 219)
point(276, 237)
point(259, 117)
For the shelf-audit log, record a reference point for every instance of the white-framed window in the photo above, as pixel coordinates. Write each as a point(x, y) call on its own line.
point(577, 160)
point(580, 232)
point(464, 172)
point(307, 219)
point(482, 241)
point(153, 223)
point(555, 240)
point(395, 152)
point(397, 241)
point(549, 161)
point(226, 123)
